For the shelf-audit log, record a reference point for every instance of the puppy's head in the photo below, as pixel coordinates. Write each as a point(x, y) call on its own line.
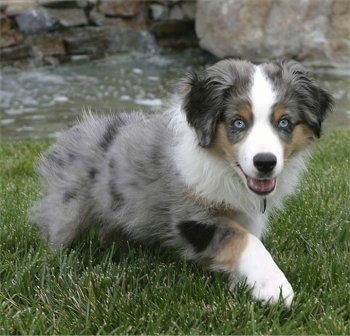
point(255, 117)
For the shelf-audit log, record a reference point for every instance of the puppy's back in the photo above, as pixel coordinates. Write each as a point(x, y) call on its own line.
point(67, 171)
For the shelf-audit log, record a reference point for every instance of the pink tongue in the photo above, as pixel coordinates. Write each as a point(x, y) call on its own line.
point(261, 186)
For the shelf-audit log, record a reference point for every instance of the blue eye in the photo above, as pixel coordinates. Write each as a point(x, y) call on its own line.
point(239, 124)
point(283, 124)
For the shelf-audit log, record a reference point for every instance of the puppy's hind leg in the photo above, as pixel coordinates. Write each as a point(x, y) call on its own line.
point(62, 217)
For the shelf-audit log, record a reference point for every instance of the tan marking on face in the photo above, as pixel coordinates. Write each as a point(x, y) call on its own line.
point(245, 111)
point(228, 256)
point(301, 137)
point(221, 145)
point(277, 113)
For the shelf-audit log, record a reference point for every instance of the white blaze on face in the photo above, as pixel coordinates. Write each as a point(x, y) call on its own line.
point(262, 138)
point(262, 95)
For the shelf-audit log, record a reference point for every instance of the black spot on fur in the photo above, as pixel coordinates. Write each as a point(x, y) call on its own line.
point(72, 156)
point(92, 173)
point(134, 184)
point(55, 158)
point(109, 135)
point(199, 235)
point(69, 195)
point(156, 156)
point(116, 196)
point(111, 164)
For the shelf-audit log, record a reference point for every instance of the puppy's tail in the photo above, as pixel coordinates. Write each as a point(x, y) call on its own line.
point(59, 222)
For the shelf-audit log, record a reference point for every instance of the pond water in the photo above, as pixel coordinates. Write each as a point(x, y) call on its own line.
point(40, 103)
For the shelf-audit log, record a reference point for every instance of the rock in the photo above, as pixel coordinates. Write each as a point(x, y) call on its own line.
point(316, 32)
point(96, 19)
point(129, 40)
point(179, 42)
point(47, 44)
point(282, 29)
point(80, 58)
point(10, 37)
point(16, 7)
point(176, 13)
point(98, 41)
point(5, 23)
point(61, 4)
point(159, 12)
point(33, 21)
point(174, 34)
point(50, 61)
point(171, 27)
point(189, 10)
point(92, 2)
point(122, 8)
point(339, 35)
point(16, 52)
point(86, 41)
point(73, 17)
point(232, 28)
point(125, 23)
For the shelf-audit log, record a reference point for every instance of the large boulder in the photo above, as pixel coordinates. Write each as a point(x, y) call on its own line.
point(316, 32)
point(33, 21)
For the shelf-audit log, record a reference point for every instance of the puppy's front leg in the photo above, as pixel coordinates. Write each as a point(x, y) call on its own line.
point(232, 249)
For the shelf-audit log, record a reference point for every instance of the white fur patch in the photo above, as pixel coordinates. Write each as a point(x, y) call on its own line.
point(266, 280)
point(262, 96)
point(262, 138)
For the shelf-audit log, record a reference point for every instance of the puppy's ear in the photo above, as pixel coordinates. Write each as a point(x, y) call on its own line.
point(203, 105)
point(325, 105)
point(314, 102)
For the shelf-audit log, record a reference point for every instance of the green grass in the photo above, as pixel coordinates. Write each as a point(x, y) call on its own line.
point(90, 290)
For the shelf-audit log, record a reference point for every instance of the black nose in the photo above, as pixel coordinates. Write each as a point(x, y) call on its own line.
point(264, 162)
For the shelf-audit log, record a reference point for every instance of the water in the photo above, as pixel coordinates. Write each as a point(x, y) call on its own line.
point(40, 103)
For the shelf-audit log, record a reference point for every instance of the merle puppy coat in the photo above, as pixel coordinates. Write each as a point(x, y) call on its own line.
point(200, 176)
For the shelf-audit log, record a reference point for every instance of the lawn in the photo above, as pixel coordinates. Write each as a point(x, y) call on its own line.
point(90, 290)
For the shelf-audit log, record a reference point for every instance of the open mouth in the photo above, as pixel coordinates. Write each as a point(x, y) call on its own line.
point(261, 186)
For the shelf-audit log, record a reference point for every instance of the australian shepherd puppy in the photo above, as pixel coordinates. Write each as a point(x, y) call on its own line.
point(200, 177)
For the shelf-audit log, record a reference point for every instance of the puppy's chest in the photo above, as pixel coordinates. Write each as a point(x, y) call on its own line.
point(253, 221)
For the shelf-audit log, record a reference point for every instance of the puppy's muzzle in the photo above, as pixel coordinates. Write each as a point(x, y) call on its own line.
point(265, 164)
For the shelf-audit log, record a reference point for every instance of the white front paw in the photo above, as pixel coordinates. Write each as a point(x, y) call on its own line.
point(266, 280)
point(272, 287)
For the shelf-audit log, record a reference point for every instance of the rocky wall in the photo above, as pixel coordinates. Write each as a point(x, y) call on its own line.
point(316, 32)
point(41, 32)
